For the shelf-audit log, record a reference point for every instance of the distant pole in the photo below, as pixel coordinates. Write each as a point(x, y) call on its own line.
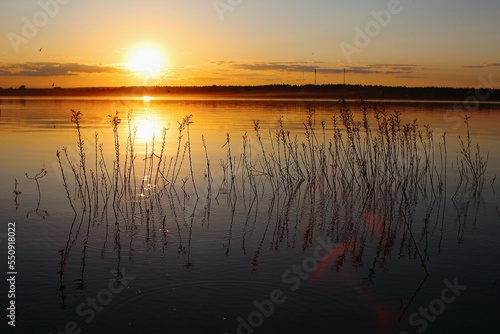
point(344, 75)
point(315, 77)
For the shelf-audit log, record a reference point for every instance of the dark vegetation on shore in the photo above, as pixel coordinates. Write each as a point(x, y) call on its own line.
point(328, 91)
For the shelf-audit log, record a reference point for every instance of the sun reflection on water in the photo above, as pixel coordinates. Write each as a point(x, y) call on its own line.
point(148, 128)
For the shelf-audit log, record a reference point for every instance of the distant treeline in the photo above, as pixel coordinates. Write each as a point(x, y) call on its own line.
point(329, 91)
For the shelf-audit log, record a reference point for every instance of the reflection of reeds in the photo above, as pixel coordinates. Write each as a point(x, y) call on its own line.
point(35, 178)
point(17, 192)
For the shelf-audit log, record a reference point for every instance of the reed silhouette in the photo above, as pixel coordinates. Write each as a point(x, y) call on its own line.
point(376, 186)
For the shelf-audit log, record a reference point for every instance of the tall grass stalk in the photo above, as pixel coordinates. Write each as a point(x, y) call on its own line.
point(115, 121)
point(65, 183)
point(188, 123)
point(471, 164)
point(76, 117)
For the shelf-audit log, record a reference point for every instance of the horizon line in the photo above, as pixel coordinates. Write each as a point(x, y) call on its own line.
point(24, 87)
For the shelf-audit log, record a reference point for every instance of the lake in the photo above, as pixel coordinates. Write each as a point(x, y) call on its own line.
point(310, 220)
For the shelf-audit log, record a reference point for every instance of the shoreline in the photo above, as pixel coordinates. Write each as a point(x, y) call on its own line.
point(288, 92)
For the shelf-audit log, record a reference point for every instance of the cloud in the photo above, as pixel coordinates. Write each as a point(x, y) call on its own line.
point(394, 69)
point(410, 77)
point(56, 69)
point(275, 66)
point(388, 69)
point(269, 66)
point(482, 65)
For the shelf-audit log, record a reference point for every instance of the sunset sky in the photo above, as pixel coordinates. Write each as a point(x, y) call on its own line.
point(72, 43)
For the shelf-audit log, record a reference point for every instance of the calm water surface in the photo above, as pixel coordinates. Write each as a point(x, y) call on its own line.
point(249, 255)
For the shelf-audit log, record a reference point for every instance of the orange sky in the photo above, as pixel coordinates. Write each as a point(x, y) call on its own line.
point(72, 43)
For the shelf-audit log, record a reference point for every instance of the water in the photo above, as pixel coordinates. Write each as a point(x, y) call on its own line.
point(248, 255)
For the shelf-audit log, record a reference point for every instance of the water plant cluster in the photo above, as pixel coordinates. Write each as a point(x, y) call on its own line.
point(341, 156)
point(344, 177)
point(375, 186)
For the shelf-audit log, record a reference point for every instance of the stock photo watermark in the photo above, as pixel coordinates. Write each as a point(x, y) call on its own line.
point(87, 310)
point(372, 29)
point(11, 273)
point(224, 6)
point(436, 307)
point(470, 103)
point(293, 278)
point(31, 25)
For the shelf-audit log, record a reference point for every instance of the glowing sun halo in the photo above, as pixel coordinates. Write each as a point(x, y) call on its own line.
point(146, 61)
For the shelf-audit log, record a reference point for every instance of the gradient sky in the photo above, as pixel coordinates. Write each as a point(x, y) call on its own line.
point(92, 42)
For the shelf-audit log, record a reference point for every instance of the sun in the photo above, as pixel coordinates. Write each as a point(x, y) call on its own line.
point(147, 61)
